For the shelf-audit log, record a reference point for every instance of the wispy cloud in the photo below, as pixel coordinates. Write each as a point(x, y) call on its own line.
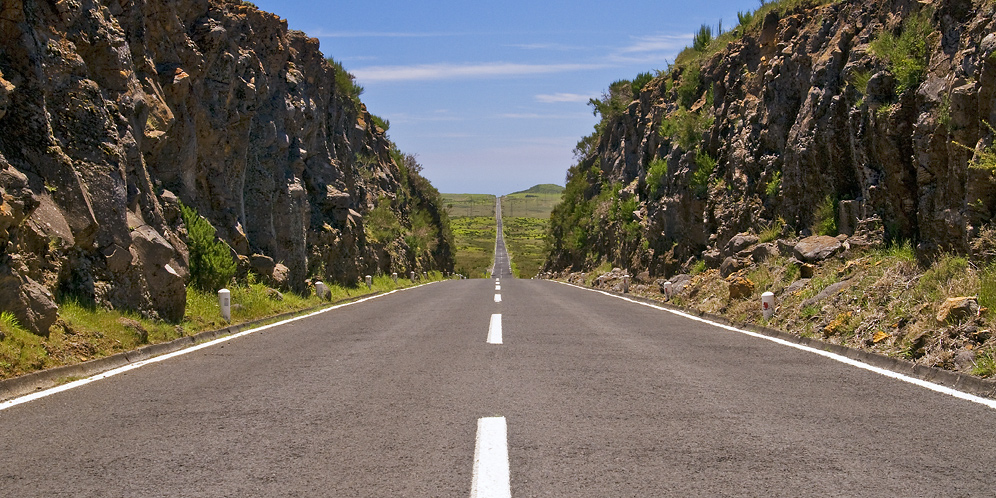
point(657, 43)
point(319, 33)
point(563, 97)
point(454, 71)
point(547, 46)
point(536, 115)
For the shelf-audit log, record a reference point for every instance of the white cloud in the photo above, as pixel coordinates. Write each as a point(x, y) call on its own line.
point(657, 43)
point(376, 34)
point(564, 97)
point(455, 71)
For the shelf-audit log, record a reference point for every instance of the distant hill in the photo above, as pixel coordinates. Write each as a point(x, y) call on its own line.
point(545, 188)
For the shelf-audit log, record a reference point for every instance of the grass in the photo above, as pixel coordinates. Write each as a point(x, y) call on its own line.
point(529, 204)
point(525, 239)
point(474, 244)
point(458, 205)
point(84, 333)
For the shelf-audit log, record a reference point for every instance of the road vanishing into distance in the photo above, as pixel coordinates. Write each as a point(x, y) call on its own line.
point(441, 390)
point(503, 265)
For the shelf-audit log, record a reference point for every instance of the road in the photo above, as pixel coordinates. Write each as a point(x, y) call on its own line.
point(601, 397)
point(502, 267)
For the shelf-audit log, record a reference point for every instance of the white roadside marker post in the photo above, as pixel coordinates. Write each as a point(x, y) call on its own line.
point(321, 289)
point(394, 276)
point(625, 284)
point(767, 304)
point(413, 277)
point(225, 303)
point(369, 282)
point(668, 290)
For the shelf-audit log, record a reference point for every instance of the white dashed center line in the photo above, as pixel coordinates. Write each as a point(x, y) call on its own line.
point(494, 330)
point(491, 475)
point(497, 298)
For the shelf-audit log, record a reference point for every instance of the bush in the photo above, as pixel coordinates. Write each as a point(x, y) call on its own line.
point(702, 39)
point(655, 175)
point(907, 53)
point(825, 217)
point(346, 82)
point(211, 264)
point(688, 88)
point(685, 128)
point(706, 164)
point(774, 185)
point(641, 81)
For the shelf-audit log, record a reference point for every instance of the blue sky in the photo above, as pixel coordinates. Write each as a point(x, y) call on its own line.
point(492, 96)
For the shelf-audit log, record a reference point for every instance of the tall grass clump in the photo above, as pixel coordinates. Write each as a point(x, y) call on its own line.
point(211, 263)
point(987, 287)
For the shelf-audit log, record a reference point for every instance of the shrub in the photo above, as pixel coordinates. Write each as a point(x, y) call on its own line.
point(211, 262)
point(825, 217)
point(907, 53)
point(774, 185)
point(706, 164)
point(346, 82)
point(689, 87)
point(655, 175)
point(685, 128)
point(641, 81)
point(986, 158)
point(702, 39)
point(381, 122)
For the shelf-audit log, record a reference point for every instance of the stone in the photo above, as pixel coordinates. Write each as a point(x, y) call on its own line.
point(762, 252)
point(739, 242)
point(136, 327)
point(713, 258)
point(816, 248)
point(261, 264)
point(280, 276)
point(806, 270)
point(730, 266)
point(740, 287)
point(958, 309)
point(30, 302)
point(964, 360)
point(797, 286)
point(274, 295)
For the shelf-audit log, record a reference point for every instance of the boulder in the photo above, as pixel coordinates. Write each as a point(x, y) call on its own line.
point(957, 309)
point(740, 287)
point(261, 264)
point(280, 276)
point(817, 248)
point(764, 251)
point(730, 266)
point(739, 242)
point(31, 303)
point(713, 258)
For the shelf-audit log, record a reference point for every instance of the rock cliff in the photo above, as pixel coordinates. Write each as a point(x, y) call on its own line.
point(113, 112)
point(805, 107)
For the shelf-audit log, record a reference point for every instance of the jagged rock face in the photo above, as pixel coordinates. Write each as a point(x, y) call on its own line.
point(784, 103)
point(109, 108)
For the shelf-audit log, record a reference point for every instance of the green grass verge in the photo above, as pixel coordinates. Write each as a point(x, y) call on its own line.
point(458, 205)
point(84, 333)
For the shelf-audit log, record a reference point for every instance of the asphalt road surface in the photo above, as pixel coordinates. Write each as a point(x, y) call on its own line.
point(600, 397)
point(502, 267)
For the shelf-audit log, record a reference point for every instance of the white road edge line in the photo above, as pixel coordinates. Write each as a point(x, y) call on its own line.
point(497, 298)
point(491, 474)
point(833, 356)
point(494, 329)
point(110, 373)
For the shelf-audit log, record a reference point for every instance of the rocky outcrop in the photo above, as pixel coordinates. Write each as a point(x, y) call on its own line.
point(791, 113)
point(113, 112)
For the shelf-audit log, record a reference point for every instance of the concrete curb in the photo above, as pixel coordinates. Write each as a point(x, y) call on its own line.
point(960, 381)
point(45, 379)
